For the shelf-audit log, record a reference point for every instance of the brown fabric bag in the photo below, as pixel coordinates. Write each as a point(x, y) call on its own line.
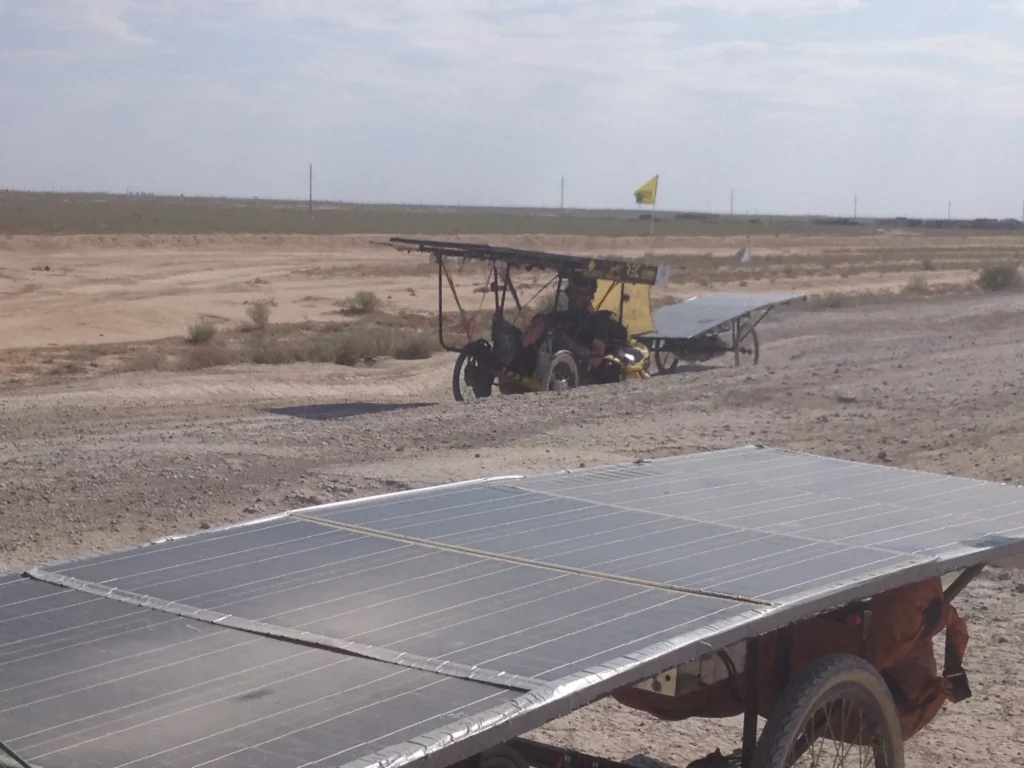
point(895, 637)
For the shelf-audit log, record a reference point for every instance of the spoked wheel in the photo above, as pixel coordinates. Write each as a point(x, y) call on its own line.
point(563, 373)
point(748, 349)
point(837, 714)
point(472, 377)
point(664, 360)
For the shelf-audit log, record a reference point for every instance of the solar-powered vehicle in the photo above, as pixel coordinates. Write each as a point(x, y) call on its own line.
point(436, 628)
point(621, 300)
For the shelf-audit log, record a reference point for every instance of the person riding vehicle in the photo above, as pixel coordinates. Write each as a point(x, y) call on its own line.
point(575, 323)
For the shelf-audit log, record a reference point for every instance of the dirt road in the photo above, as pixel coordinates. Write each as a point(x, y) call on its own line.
point(933, 384)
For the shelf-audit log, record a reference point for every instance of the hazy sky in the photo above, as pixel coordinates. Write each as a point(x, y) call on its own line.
point(798, 104)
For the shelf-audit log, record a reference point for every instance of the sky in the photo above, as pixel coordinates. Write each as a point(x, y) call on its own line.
point(797, 105)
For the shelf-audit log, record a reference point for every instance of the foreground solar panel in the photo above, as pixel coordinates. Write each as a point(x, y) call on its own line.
point(694, 317)
point(444, 621)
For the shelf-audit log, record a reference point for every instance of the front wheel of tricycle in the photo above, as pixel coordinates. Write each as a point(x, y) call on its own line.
point(563, 373)
point(837, 713)
point(472, 375)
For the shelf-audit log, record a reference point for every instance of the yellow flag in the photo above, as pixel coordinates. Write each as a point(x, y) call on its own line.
point(648, 193)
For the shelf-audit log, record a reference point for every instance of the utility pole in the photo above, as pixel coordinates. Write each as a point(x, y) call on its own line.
point(311, 190)
point(949, 211)
point(561, 204)
point(855, 207)
point(732, 201)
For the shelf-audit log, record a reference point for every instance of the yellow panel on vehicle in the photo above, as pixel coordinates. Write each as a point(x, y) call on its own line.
point(636, 310)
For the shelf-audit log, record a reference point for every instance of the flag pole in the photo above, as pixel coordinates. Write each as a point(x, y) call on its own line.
point(654, 204)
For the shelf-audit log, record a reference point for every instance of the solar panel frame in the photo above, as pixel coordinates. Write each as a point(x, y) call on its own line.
point(478, 731)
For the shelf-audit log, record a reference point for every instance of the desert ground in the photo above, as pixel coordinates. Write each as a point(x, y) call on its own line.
point(116, 429)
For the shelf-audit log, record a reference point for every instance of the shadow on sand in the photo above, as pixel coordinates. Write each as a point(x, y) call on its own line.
point(687, 368)
point(336, 411)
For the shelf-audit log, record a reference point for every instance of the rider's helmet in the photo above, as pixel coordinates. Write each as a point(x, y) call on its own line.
point(580, 286)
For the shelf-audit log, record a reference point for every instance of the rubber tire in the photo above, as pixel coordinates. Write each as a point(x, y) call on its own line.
point(564, 358)
point(468, 351)
point(819, 683)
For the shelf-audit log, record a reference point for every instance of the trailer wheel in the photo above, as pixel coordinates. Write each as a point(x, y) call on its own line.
point(471, 375)
point(664, 359)
point(838, 713)
point(502, 756)
point(748, 350)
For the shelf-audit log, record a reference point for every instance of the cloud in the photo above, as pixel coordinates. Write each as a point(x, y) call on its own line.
point(82, 20)
point(1016, 7)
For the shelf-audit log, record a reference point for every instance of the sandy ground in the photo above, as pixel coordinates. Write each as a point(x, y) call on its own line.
point(92, 463)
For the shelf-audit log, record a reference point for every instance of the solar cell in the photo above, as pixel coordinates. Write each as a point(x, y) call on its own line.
point(457, 617)
point(90, 682)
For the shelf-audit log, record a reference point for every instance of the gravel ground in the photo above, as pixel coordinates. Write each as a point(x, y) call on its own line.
point(932, 385)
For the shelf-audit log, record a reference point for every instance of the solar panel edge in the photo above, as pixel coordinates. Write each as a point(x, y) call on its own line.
point(880, 466)
point(736, 449)
point(228, 527)
point(474, 734)
point(335, 505)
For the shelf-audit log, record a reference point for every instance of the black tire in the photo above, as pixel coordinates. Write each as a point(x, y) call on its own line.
point(752, 344)
point(563, 373)
point(470, 363)
point(835, 679)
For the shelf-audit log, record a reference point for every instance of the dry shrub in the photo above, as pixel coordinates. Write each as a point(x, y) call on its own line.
point(322, 349)
point(917, 286)
point(207, 356)
point(363, 303)
point(259, 313)
point(267, 352)
point(928, 265)
point(1001, 277)
point(830, 300)
point(202, 331)
point(146, 360)
point(358, 344)
point(414, 348)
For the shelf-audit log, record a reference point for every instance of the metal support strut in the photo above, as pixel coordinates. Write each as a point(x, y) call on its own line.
point(752, 674)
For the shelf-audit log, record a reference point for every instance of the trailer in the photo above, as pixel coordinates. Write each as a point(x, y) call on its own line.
point(436, 627)
point(702, 328)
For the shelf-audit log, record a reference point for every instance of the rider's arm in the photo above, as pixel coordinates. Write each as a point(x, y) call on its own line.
point(534, 331)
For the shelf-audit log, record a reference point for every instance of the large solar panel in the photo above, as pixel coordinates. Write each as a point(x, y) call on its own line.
point(694, 317)
point(444, 621)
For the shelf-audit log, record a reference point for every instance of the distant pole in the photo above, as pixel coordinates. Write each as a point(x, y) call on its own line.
point(561, 204)
point(732, 201)
point(311, 190)
point(855, 207)
point(949, 211)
